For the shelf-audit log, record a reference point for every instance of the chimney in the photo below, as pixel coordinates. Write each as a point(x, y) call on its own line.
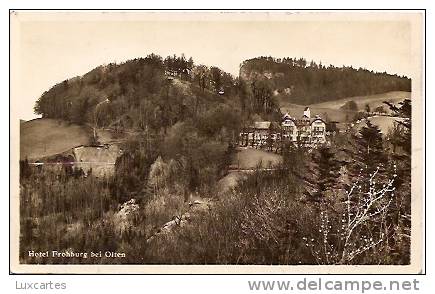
point(307, 112)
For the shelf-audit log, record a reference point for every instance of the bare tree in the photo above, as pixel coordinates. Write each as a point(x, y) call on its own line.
point(363, 207)
point(362, 223)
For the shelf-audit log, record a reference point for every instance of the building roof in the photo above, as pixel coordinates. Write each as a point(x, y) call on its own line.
point(317, 117)
point(262, 125)
point(287, 116)
point(304, 121)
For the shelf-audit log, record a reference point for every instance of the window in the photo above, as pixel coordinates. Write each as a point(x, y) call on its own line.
point(318, 130)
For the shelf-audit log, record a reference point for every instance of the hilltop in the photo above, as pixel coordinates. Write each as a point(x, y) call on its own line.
point(144, 94)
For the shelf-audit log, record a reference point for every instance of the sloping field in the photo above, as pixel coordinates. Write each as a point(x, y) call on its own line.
point(373, 100)
point(325, 113)
point(250, 158)
point(244, 162)
point(383, 122)
point(45, 137)
point(331, 110)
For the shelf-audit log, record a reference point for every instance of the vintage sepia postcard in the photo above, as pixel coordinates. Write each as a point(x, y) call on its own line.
point(217, 142)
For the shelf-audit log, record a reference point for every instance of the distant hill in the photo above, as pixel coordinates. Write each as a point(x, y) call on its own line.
point(297, 81)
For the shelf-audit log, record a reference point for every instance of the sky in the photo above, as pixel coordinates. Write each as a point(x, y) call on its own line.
point(51, 48)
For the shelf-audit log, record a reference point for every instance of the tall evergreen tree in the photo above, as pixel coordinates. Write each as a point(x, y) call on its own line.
point(369, 147)
point(366, 155)
point(326, 176)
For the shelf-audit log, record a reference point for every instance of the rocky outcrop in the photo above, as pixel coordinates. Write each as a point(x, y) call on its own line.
point(181, 220)
point(124, 218)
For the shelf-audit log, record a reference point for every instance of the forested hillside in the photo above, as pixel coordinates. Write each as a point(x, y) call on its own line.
point(297, 81)
point(144, 93)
